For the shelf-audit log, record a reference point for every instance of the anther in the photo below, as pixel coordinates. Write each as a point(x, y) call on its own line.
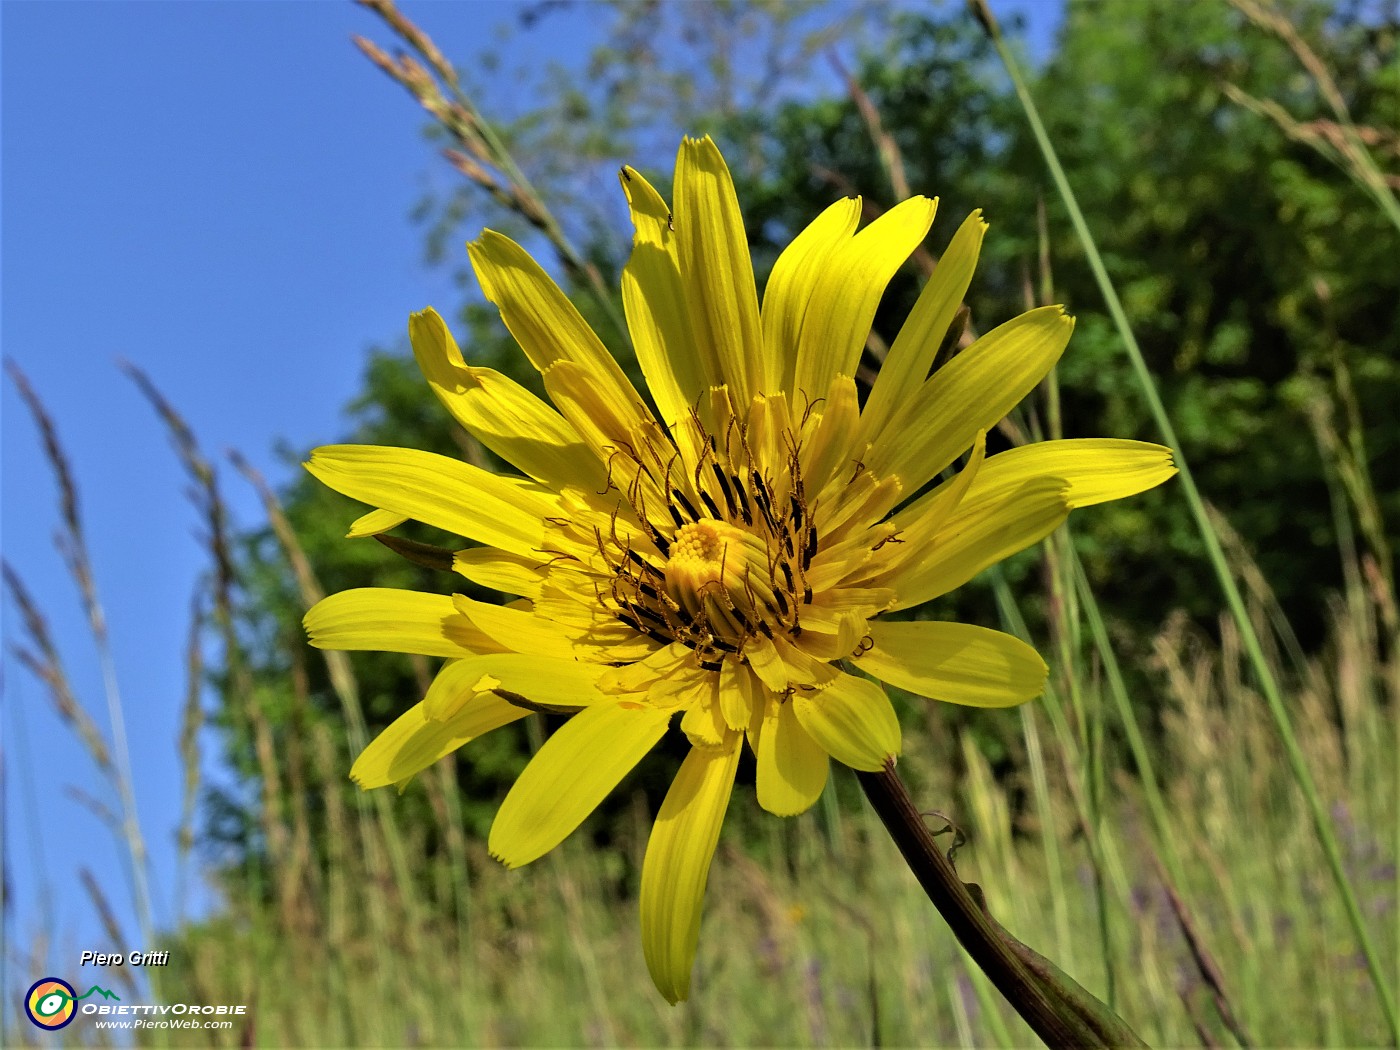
point(679, 497)
point(743, 501)
point(725, 489)
point(765, 504)
point(787, 575)
point(710, 504)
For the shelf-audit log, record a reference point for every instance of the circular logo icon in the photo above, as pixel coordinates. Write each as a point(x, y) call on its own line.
point(49, 1003)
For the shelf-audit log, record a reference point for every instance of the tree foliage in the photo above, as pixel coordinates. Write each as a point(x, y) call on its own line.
point(1259, 278)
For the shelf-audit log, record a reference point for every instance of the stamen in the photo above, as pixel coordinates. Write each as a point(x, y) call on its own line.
point(787, 575)
point(730, 571)
point(765, 502)
point(743, 500)
point(710, 504)
point(679, 497)
point(725, 489)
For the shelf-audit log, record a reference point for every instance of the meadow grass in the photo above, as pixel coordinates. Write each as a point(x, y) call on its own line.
point(1199, 826)
point(822, 937)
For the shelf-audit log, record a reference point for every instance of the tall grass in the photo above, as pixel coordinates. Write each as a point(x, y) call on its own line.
point(1210, 877)
point(827, 940)
point(835, 945)
point(1261, 668)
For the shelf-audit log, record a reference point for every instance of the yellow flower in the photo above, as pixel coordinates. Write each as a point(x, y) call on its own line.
point(725, 558)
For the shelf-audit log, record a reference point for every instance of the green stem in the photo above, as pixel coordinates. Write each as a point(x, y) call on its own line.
point(1057, 1010)
point(1268, 684)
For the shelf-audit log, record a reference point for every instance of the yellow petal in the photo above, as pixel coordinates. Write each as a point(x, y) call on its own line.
point(517, 630)
point(852, 720)
point(957, 662)
point(373, 523)
point(658, 317)
point(391, 621)
point(499, 412)
point(434, 489)
point(977, 536)
point(704, 724)
point(573, 772)
point(672, 659)
point(766, 663)
point(912, 353)
point(826, 455)
point(792, 767)
point(970, 393)
point(541, 681)
point(832, 638)
point(509, 573)
point(694, 693)
point(739, 694)
point(677, 864)
point(844, 299)
point(802, 667)
point(925, 517)
point(920, 522)
point(716, 269)
point(613, 432)
point(1095, 470)
point(794, 276)
point(547, 326)
point(413, 741)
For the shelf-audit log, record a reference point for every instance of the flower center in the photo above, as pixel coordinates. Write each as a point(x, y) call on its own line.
point(707, 557)
point(715, 573)
point(730, 521)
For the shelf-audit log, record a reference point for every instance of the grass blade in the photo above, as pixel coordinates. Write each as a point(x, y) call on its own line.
point(1258, 661)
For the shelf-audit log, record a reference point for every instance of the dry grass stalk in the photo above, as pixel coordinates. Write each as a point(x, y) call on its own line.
point(1206, 965)
point(72, 545)
point(191, 722)
point(1342, 142)
point(209, 503)
point(480, 155)
point(44, 662)
point(99, 809)
point(110, 926)
point(891, 158)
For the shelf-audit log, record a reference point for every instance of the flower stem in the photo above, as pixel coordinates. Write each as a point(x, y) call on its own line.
point(1057, 1009)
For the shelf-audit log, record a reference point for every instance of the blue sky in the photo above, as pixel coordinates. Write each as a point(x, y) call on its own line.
point(219, 193)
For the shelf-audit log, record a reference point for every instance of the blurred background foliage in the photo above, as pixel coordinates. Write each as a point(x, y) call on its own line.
point(1260, 281)
point(1260, 277)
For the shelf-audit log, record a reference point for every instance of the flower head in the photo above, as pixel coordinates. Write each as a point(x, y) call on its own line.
point(721, 561)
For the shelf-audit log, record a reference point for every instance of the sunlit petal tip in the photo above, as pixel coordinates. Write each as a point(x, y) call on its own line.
point(853, 720)
point(413, 742)
point(677, 864)
point(503, 861)
point(569, 776)
point(385, 619)
point(955, 662)
point(373, 524)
